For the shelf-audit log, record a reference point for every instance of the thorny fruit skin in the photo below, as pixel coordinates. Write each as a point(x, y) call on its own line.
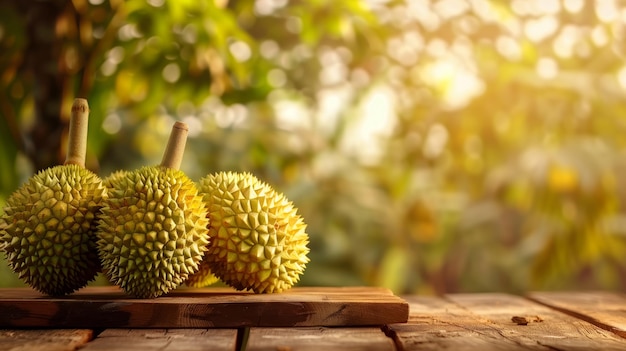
point(48, 229)
point(153, 231)
point(258, 241)
point(109, 180)
point(203, 278)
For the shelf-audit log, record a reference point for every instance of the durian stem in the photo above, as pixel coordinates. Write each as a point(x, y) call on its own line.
point(77, 143)
point(173, 155)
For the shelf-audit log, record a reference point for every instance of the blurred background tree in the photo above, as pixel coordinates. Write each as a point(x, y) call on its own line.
point(431, 146)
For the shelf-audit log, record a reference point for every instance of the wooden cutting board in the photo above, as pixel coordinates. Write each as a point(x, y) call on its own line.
point(109, 307)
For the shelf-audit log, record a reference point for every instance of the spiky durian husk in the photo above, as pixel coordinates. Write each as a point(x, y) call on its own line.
point(258, 241)
point(49, 229)
point(109, 180)
point(153, 232)
point(203, 277)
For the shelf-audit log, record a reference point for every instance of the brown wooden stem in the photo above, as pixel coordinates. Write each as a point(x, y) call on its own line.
point(173, 155)
point(77, 143)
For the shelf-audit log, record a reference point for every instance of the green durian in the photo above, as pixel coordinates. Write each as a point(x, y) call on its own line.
point(153, 229)
point(48, 226)
point(257, 240)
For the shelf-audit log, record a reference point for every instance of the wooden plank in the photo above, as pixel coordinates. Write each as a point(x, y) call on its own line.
point(547, 327)
point(109, 307)
point(44, 340)
point(320, 338)
point(437, 324)
point(164, 339)
point(606, 310)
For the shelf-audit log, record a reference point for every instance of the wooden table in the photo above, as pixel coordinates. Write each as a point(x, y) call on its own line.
point(536, 321)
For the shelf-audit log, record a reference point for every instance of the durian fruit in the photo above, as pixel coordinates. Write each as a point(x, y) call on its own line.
point(258, 241)
point(203, 278)
point(153, 228)
point(113, 177)
point(48, 226)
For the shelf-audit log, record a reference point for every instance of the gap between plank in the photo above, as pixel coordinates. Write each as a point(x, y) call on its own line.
point(95, 333)
point(242, 338)
point(393, 336)
point(580, 316)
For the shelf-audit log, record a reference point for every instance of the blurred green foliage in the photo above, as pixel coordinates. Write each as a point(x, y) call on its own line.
point(431, 146)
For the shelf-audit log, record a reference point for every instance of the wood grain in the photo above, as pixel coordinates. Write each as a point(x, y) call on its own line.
point(484, 322)
point(44, 340)
point(552, 330)
point(164, 339)
point(606, 310)
point(314, 339)
point(437, 324)
point(109, 307)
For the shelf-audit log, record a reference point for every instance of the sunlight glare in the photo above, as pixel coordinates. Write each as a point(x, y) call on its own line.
point(277, 78)
point(112, 123)
point(573, 6)
point(406, 48)
point(108, 68)
point(508, 48)
point(269, 49)
point(267, 7)
point(437, 48)
point(292, 115)
point(436, 141)
point(189, 34)
point(482, 8)
point(447, 9)
point(599, 36)
point(420, 11)
point(457, 85)
point(331, 103)
point(240, 51)
point(547, 68)
point(621, 77)
point(374, 123)
point(230, 116)
point(128, 31)
point(171, 73)
point(567, 39)
point(293, 24)
point(334, 70)
point(115, 55)
point(536, 7)
point(606, 10)
point(541, 28)
point(156, 3)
